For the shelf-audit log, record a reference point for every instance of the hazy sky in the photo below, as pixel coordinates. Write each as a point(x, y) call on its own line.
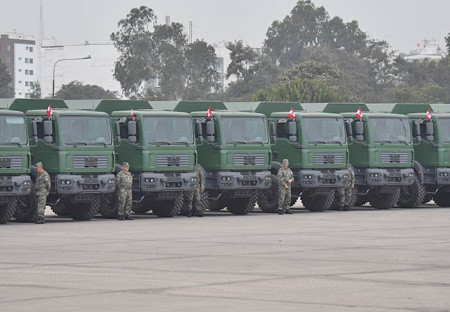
point(403, 23)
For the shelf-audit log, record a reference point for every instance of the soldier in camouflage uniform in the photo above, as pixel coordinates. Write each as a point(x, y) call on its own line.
point(195, 197)
point(345, 194)
point(285, 179)
point(41, 190)
point(124, 181)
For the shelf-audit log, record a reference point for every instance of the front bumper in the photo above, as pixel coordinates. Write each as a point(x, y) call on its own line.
point(324, 179)
point(68, 184)
point(443, 176)
point(383, 177)
point(232, 180)
point(15, 185)
point(159, 182)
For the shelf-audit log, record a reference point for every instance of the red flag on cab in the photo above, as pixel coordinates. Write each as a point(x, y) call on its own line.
point(428, 115)
point(209, 113)
point(359, 113)
point(132, 113)
point(291, 114)
point(49, 110)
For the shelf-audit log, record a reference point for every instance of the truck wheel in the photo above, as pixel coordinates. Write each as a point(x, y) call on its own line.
point(108, 206)
point(185, 207)
point(7, 210)
point(442, 199)
point(142, 207)
point(268, 199)
point(384, 200)
point(360, 200)
point(427, 198)
point(61, 210)
point(27, 212)
point(168, 208)
point(412, 196)
point(242, 206)
point(85, 211)
point(318, 203)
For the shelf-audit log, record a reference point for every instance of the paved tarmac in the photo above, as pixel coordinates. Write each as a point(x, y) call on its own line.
point(362, 260)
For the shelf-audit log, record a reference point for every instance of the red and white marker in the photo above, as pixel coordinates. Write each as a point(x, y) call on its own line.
point(359, 114)
point(428, 115)
point(291, 114)
point(209, 113)
point(49, 110)
point(132, 113)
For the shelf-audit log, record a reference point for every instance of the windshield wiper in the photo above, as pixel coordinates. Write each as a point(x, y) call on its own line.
point(158, 143)
point(335, 142)
point(11, 143)
point(383, 141)
point(76, 143)
point(237, 142)
point(317, 142)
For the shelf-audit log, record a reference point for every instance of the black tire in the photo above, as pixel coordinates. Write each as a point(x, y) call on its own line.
point(268, 199)
point(168, 208)
point(384, 200)
point(143, 207)
point(360, 200)
point(185, 207)
point(85, 211)
point(318, 203)
point(334, 205)
point(442, 199)
point(294, 200)
point(27, 212)
point(242, 206)
point(412, 196)
point(7, 210)
point(61, 210)
point(108, 206)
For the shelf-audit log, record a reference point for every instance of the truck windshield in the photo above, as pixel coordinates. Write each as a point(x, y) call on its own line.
point(12, 130)
point(389, 130)
point(244, 130)
point(444, 129)
point(168, 130)
point(325, 130)
point(85, 130)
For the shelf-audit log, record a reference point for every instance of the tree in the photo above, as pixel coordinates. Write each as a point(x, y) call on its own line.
point(36, 92)
point(6, 90)
point(75, 90)
point(159, 54)
point(243, 60)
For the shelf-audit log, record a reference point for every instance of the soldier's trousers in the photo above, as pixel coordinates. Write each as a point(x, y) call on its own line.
point(41, 201)
point(194, 200)
point(284, 199)
point(345, 196)
point(125, 201)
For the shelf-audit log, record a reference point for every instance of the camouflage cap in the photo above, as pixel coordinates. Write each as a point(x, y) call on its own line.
point(285, 161)
point(125, 164)
point(38, 164)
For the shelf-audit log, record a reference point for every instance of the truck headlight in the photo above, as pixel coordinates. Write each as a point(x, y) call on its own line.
point(346, 176)
point(226, 178)
point(308, 176)
point(111, 181)
point(374, 175)
point(65, 182)
point(193, 179)
point(149, 180)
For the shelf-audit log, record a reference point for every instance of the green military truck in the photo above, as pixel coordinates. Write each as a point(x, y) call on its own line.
point(315, 144)
point(431, 152)
point(15, 160)
point(234, 151)
point(160, 147)
point(381, 154)
point(77, 151)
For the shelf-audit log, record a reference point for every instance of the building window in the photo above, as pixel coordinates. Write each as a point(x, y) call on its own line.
point(31, 84)
point(31, 61)
point(20, 58)
point(20, 93)
point(27, 84)
point(31, 72)
point(26, 71)
point(19, 70)
point(26, 48)
point(8, 47)
point(30, 49)
point(26, 60)
point(20, 81)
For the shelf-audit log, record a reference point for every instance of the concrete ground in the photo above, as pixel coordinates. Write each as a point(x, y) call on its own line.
point(362, 260)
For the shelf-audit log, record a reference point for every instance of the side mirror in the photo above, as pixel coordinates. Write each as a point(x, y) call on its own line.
point(210, 132)
point(416, 130)
point(199, 131)
point(117, 125)
point(349, 130)
point(48, 131)
point(132, 131)
point(429, 130)
point(34, 131)
point(292, 131)
point(273, 137)
point(359, 130)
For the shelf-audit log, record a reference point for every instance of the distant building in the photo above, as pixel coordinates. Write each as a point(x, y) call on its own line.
point(219, 67)
point(18, 53)
point(427, 49)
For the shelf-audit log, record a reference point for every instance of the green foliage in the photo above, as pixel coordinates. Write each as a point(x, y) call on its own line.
point(300, 90)
point(447, 43)
point(75, 90)
point(243, 60)
point(6, 90)
point(36, 92)
point(428, 93)
point(149, 51)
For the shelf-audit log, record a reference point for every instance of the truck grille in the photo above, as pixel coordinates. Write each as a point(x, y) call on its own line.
point(398, 158)
point(173, 160)
point(248, 159)
point(11, 162)
point(84, 161)
point(328, 158)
